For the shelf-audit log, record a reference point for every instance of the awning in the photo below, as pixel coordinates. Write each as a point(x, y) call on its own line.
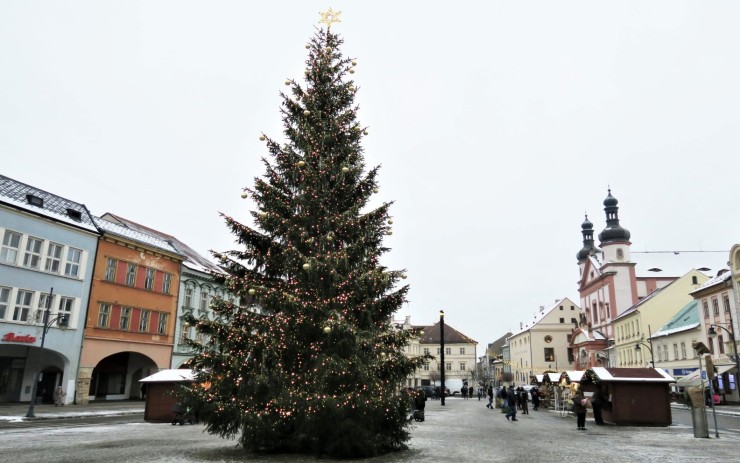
point(695, 380)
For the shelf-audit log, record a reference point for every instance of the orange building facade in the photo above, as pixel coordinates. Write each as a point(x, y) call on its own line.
point(130, 325)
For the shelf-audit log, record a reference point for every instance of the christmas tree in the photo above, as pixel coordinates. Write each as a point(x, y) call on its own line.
point(319, 367)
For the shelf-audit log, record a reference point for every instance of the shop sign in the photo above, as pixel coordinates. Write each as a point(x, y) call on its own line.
point(683, 371)
point(12, 337)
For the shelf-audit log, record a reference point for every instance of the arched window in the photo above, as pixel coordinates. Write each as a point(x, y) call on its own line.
point(620, 254)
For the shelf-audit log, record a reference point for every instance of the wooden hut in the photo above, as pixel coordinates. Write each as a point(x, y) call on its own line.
point(160, 397)
point(633, 396)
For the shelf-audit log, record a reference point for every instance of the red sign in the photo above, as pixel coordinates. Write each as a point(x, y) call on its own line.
point(12, 337)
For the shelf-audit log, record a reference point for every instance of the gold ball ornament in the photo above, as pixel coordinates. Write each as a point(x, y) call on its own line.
point(327, 329)
point(262, 214)
point(403, 277)
point(345, 169)
point(287, 82)
point(306, 266)
point(351, 71)
point(365, 132)
point(307, 113)
point(245, 195)
point(252, 291)
point(382, 354)
point(354, 63)
point(389, 232)
point(329, 238)
point(301, 163)
point(262, 138)
point(390, 221)
point(351, 88)
point(375, 190)
point(308, 46)
point(329, 49)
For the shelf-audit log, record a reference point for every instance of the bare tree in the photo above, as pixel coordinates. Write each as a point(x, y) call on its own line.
point(434, 376)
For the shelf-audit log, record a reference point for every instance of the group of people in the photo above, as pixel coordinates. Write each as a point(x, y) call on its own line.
point(467, 392)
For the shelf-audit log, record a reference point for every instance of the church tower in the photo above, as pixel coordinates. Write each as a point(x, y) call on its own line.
point(615, 239)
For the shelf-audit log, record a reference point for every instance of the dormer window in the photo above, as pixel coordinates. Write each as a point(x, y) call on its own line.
point(34, 200)
point(74, 215)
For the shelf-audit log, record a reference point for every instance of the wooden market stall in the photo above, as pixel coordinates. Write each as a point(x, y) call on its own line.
point(160, 397)
point(632, 396)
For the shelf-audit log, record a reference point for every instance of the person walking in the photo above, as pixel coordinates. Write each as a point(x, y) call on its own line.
point(597, 401)
point(480, 393)
point(59, 396)
point(579, 408)
point(511, 399)
point(490, 397)
point(504, 396)
point(535, 398)
point(523, 402)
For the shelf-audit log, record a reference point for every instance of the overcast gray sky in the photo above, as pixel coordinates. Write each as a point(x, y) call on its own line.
point(497, 125)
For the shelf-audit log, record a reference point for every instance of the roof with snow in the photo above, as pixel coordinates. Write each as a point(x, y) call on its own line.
point(170, 376)
point(633, 375)
point(714, 281)
point(40, 202)
point(686, 319)
point(678, 263)
point(144, 238)
point(452, 336)
point(193, 260)
point(538, 317)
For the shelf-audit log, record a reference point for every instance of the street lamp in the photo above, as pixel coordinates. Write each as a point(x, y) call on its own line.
point(650, 347)
point(442, 353)
point(712, 332)
point(47, 322)
point(638, 348)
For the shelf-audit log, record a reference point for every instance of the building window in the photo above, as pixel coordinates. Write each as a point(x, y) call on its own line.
point(110, 269)
point(426, 366)
point(706, 309)
point(572, 308)
point(66, 304)
point(448, 366)
point(167, 283)
point(4, 300)
point(562, 320)
point(683, 350)
point(104, 315)
point(149, 281)
point(11, 243)
point(72, 267)
point(32, 258)
point(561, 307)
point(715, 306)
point(660, 354)
point(726, 302)
point(721, 344)
point(462, 351)
point(22, 306)
point(184, 332)
point(426, 351)
point(144, 321)
point(549, 354)
point(131, 275)
point(665, 352)
point(462, 366)
point(203, 299)
point(448, 350)
point(188, 297)
point(162, 325)
point(53, 257)
point(125, 322)
point(675, 352)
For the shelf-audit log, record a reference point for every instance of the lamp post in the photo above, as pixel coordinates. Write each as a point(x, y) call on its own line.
point(731, 332)
point(650, 347)
point(442, 354)
point(44, 329)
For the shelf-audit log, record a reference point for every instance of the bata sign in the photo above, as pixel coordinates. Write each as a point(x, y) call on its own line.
point(12, 337)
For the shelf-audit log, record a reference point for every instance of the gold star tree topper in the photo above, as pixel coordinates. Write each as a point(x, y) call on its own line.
point(330, 17)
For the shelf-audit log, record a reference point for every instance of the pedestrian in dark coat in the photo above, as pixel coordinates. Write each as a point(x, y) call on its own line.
point(535, 398)
point(511, 398)
point(579, 408)
point(597, 400)
point(523, 402)
point(490, 397)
